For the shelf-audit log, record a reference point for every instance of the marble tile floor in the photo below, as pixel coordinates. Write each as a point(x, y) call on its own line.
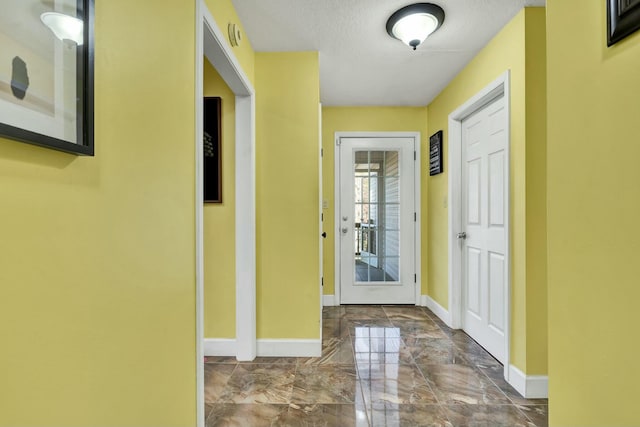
point(380, 366)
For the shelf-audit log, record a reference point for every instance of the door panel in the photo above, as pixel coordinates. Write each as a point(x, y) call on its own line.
point(484, 212)
point(376, 227)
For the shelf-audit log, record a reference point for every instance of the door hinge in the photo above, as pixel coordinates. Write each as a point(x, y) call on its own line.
point(321, 217)
point(414, 155)
point(322, 152)
point(322, 281)
point(415, 278)
point(415, 217)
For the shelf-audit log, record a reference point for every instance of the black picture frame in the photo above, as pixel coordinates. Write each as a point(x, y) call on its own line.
point(435, 154)
point(212, 149)
point(22, 110)
point(623, 19)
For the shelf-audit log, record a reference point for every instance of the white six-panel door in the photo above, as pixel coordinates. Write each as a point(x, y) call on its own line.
point(376, 225)
point(484, 210)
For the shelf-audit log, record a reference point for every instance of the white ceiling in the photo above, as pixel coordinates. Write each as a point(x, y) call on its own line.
point(359, 63)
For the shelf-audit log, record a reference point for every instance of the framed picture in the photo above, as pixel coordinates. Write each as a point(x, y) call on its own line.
point(46, 73)
point(435, 153)
point(212, 153)
point(623, 18)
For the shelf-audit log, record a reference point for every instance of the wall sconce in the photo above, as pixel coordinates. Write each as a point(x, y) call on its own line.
point(414, 23)
point(64, 27)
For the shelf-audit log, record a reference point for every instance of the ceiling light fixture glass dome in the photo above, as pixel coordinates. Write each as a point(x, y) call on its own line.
point(414, 23)
point(64, 27)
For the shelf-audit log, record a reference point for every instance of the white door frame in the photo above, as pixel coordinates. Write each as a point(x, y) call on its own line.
point(212, 43)
point(321, 216)
point(417, 204)
point(495, 89)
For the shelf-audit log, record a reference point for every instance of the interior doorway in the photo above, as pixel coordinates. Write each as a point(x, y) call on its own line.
point(211, 45)
point(479, 225)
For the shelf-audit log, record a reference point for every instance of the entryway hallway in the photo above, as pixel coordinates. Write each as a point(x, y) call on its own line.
point(380, 366)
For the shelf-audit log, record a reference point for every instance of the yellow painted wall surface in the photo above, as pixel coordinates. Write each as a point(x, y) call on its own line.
point(593, 203)
point(288, 211)
point(219, 224)
point(505, 52)
point(224, 13)
point(365, 119)
point(536, 184)
point(97, 280)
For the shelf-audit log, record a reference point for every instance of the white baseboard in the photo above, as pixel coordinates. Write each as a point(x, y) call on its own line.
point(289, 348)
point(437, 309)
point(266, 347)
point(529, 386)
point(329, 300)
point(219, 347)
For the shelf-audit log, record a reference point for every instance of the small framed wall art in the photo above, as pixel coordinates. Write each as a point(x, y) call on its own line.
point(212, 152)
point(623, 19)
point(46, 74)
point(435, 153)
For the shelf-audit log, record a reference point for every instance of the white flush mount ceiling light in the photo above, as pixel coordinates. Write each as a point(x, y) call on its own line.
point(64, 27)
point(414, 23)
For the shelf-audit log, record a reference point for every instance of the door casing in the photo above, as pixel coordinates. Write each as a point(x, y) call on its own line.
point(499, 87)
point(416, 195)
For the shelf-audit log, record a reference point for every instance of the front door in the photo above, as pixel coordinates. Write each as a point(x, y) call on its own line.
point(484, 210)
point(377, 220)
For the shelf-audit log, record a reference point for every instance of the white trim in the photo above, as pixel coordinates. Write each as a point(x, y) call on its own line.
point(320, 219)
point(437, 309)
point(500, 86)
point(417, 203)
point(219, 53)
point(289, 348)
point(266, 347)
point(199, 212)
point(529, 386)
point(220, 347)
point(329, 300)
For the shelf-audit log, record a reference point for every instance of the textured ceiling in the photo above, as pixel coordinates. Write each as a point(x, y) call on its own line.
point(359, 63)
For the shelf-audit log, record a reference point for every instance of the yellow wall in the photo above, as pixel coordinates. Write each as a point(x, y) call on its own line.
point(219, 224)
point(97, 280)
point(536, 191)
point(593, 203)
point(224, 13)
point(287, 201)
point(365, 119)
point(524, 34)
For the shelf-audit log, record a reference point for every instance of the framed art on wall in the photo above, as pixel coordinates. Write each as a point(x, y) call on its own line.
point(212, 152)
point(435, 153)
point(46, 73)
point(623, 19)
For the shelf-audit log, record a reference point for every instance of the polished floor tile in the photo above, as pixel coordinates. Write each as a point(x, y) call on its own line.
point(324, 384)
point(487, 416)
point(394, 384)
point(259, 383)
point(380, 366)
point(437, 351)
point(462, 384)
point(215, 380)
point(408, 415)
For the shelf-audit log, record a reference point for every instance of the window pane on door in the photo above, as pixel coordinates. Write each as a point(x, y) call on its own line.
point(377, 216)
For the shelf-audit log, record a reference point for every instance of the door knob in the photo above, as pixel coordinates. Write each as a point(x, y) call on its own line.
point(324, 234)
point(344, 230)
point(462, 235)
